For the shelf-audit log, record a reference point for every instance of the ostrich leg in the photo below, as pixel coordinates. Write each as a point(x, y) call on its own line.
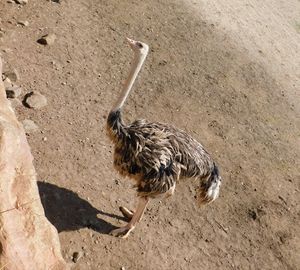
point(129, 213)
point(125, 231)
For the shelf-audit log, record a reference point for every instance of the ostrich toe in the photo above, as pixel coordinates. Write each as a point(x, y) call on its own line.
point(122, 232)
point(126, 212)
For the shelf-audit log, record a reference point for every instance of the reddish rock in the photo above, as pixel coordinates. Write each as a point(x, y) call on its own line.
point(27, 239)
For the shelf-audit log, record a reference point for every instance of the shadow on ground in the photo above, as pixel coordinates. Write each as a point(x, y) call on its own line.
point(68, 212)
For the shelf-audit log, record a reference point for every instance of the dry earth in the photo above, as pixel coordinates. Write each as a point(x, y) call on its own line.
point(225, 71)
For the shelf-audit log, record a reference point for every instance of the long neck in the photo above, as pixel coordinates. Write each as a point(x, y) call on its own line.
point(135, 68)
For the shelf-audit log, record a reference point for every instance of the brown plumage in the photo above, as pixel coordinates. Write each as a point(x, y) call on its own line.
point(156, 155)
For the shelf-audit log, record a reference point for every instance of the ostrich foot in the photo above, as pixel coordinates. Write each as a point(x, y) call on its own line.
point(122, 232)
point(126, 212)
point(136, 217)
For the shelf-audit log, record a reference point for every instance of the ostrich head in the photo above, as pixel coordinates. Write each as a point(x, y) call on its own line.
point(138, 47)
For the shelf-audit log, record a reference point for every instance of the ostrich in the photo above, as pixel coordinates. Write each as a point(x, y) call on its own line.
point(156, 155)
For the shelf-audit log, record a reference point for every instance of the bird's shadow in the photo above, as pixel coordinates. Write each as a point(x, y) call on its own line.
point(68, 212)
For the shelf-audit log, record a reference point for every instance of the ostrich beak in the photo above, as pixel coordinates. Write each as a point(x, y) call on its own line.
point(131, 42)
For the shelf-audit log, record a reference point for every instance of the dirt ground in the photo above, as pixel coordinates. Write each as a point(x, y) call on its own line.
point(228, 72)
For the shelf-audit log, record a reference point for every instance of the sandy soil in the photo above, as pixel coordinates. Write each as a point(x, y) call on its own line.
point(226, 73)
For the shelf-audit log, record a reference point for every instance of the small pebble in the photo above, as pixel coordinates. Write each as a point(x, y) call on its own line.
point(7, 83)
point(29, 126)
point(23, 23)
point(76, 256)
point(13, 75)
point(13, 91)
point(35, 100)
point(252, 214)
point(6, 50)
point(21, 2)
point(47, 39)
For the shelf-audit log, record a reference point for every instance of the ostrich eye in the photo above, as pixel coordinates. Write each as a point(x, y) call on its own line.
point(140, 45)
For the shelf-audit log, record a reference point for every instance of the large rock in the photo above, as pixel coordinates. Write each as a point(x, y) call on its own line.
point(27, 239)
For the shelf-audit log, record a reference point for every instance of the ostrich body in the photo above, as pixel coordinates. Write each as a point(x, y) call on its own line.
point(156, 155)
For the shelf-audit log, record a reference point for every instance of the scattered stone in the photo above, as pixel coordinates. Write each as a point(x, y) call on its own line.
point(123, 268)
point(47, 39)
point(29, 126)
point(35, 100)
point(7, 83)
point(13, 91)
point(45, 139)
point(252, 214)
point(163, 62)
point(13, 75)
point(23, 23)
point(284, 237)
point(76, 256)
point(6, 50)
point(21, 2)
point(56, 1)
point(10, 1)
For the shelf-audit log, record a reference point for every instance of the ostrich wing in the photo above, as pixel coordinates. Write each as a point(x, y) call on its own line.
point(154, 154)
